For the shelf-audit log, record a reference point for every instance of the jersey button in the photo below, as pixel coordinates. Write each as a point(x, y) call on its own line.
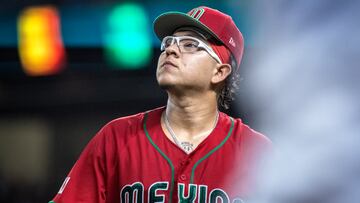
point(183, 177)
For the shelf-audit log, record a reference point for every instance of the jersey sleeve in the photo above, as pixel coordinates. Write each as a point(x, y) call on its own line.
point(86, 180)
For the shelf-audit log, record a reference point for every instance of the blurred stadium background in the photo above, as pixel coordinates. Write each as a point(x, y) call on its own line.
point(69, 67)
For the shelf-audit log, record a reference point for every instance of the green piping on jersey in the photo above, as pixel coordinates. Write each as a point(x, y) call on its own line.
point(211, 152)
point(163, 154)
point(51, 202)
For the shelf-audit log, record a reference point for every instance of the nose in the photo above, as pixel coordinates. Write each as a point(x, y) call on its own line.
point(173, 49)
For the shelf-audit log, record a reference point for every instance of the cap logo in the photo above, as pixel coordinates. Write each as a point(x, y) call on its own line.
point(196, 13)
point(232, 42)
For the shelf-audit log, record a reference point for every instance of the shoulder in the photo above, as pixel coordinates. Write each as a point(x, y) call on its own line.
point(254, 146)
point(252, 135)
point(244, 135)
point(124, 124)
point(123, 129)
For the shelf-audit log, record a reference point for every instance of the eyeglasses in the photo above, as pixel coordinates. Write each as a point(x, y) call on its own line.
point(188, 44)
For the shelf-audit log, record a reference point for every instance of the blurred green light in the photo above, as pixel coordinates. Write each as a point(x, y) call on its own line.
point(127, 41)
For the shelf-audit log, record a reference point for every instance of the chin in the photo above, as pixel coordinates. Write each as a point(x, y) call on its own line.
point(168, 83)
point(165, 79)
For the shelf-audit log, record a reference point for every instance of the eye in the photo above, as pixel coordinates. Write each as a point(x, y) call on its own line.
point(168, 42)
point(189, 44)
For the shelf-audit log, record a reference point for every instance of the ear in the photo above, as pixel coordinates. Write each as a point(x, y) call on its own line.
point(221, 72)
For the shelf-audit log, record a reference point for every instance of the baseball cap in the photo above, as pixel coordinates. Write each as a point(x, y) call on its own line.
point(219, 25)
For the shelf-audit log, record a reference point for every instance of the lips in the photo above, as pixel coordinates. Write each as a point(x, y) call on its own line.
point(169, 63)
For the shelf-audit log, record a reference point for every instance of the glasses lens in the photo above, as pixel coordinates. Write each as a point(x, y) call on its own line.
point(189, 44)
point(166, 42)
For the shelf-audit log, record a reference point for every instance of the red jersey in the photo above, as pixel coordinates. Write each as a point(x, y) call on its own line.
point(132, 160)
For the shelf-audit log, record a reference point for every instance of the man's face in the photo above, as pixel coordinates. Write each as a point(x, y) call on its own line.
point(184, 71)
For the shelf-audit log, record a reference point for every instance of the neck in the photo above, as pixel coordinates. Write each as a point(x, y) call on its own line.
point(191, 116)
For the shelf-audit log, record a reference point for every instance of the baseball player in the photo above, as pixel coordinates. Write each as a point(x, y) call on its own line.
point(187, 151)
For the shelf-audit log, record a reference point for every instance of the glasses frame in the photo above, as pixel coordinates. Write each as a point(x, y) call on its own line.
point(201, 45)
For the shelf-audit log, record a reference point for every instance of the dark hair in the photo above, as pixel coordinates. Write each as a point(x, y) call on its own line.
point(226, 94)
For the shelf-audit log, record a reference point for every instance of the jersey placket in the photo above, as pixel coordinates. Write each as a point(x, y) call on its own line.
point(183, 175)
